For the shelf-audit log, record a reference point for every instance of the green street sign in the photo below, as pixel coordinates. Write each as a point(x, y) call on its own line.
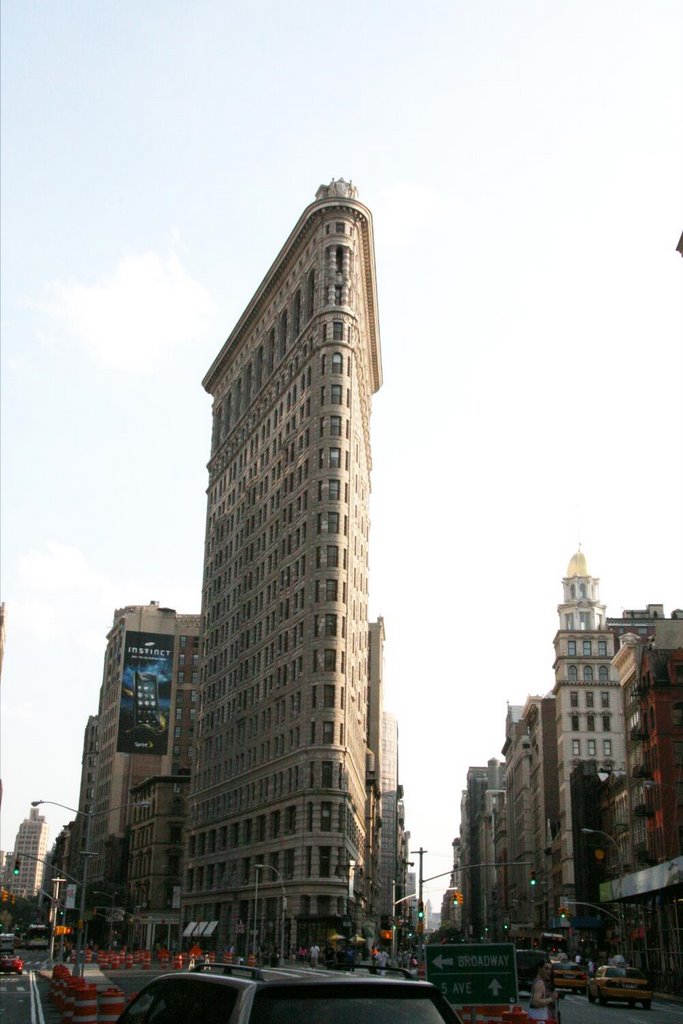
point(482, 975)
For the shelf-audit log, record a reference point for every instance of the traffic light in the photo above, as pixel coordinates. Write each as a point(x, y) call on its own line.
point(563, 913)
point(455, 899)
point(5, 895)
point(17, 867)
point(532, 878)
point(420, 911)
point(461, 898)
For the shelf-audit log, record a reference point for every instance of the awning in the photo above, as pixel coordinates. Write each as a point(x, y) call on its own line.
point(641, 883)
point(210, 929)
point(189, 929)
point(199, 930)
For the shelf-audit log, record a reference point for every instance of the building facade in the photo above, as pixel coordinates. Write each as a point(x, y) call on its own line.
point(588, 707)
point(280, 781)
point(30, 849)
point(144, 727)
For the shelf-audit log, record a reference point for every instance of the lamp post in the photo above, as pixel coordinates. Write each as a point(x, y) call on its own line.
point(87, 852)
point(284, 907)
point(54, 904)
point(620, 867)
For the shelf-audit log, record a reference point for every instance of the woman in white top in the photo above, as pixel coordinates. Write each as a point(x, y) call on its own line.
point(543, 998)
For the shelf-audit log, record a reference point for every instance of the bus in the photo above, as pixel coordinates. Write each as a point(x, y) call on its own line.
point(553, 944)
point(37, 936)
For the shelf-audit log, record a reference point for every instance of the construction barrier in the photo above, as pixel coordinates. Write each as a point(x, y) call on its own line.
point(211, 957)
point(129, 961)
point(112, 1003)
point(60, 972)
point(163, 957)
point(227, 957)
point(85, 1005)
point(178, 962)
point(104, 960)
point(115, 961)
point(88, 956)
point(72, 986)
point(146, 959)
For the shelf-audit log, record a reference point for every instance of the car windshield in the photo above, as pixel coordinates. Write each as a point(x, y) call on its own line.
point(345, 1008)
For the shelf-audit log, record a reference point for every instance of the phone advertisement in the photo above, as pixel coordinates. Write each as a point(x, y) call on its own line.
point(145, 708)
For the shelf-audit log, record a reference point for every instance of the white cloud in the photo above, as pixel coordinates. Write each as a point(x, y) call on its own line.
point(131, 318)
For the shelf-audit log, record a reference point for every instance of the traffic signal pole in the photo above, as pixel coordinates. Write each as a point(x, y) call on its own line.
point(420, 905)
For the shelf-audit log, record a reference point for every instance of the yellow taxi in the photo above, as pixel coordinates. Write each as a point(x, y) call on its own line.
point(620, 984)
point(570, 977)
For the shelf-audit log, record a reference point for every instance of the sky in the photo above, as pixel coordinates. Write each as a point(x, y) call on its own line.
point(523, 164)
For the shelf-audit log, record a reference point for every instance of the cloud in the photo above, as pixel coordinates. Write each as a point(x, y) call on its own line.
point(128, 320)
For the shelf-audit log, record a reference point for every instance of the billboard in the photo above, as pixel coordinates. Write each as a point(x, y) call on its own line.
point(144, 711)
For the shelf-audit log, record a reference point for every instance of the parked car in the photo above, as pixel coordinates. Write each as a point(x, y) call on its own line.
point(620, 984)
point(570, 977)
point(230, 994)
point(11, 964)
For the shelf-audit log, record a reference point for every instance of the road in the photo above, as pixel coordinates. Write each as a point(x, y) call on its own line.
point(24, 999)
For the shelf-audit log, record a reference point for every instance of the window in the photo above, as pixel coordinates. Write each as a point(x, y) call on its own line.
point(290, 819)
point(328, 732)
point(335, 458)
point(330, 590)
point(332, 556)
point(576, 748)
point(603, 674)
point(590, 723)
point(587, 648)
point(604, 699)
point(589, 699)
point(336, 426)
point(336, 395)
point(575, 723)
point(330, 660)
point(591, 748)
point(572, 674)
point(325, 861)
point(602, 648)
point(330, 625)
point(333, 522)
point(326, 816)
point(677, 714)
point(571, 647)
point(587, 674)
point(337, 362)
point(334, 490)
point(337, 334)
point(574, 699)
point(326, 775)
point(328, 695)
point(678, 752)
point(569, 621)
point(606, 723)
point(607, 748)
point(275, 824)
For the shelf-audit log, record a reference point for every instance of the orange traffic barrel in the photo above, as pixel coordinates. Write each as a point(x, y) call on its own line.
point(85, 1005)
point(227, 957)
point(112, 1003)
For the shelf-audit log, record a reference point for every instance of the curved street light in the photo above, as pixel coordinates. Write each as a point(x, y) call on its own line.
point(284, 907)
point(86, 852)
point(620, 867)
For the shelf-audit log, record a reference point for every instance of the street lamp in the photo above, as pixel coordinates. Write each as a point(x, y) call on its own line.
point(620, 867)
point(88, 815)
point(54, 899)
point(284, 907)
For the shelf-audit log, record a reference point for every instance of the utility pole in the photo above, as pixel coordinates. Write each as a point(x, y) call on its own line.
point(420, 905)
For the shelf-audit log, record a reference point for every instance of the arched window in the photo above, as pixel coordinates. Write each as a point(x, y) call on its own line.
point(296, 315)
point(259, 368)
point(248, 373)
point(227, 418)
point(572, 674)
point(337, 362)
point(270, 352)
point(582, 589)
point(282, 346)
point(310, 294)
point(587, 674)
point(572, 591)
point(603, 674)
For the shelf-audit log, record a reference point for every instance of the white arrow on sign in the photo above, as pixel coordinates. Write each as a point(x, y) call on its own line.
point(443, 961)
point(495, 987)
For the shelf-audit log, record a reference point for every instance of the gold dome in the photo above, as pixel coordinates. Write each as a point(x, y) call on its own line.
point(578, 566)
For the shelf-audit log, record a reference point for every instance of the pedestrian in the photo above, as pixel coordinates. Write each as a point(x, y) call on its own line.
point(382, 960)
point(315, 954)
point(543, 998)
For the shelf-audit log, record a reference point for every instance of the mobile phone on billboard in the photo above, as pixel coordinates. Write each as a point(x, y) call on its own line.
point(146, 699)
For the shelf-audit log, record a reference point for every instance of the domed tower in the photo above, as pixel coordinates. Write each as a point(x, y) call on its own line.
point(588, 706)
